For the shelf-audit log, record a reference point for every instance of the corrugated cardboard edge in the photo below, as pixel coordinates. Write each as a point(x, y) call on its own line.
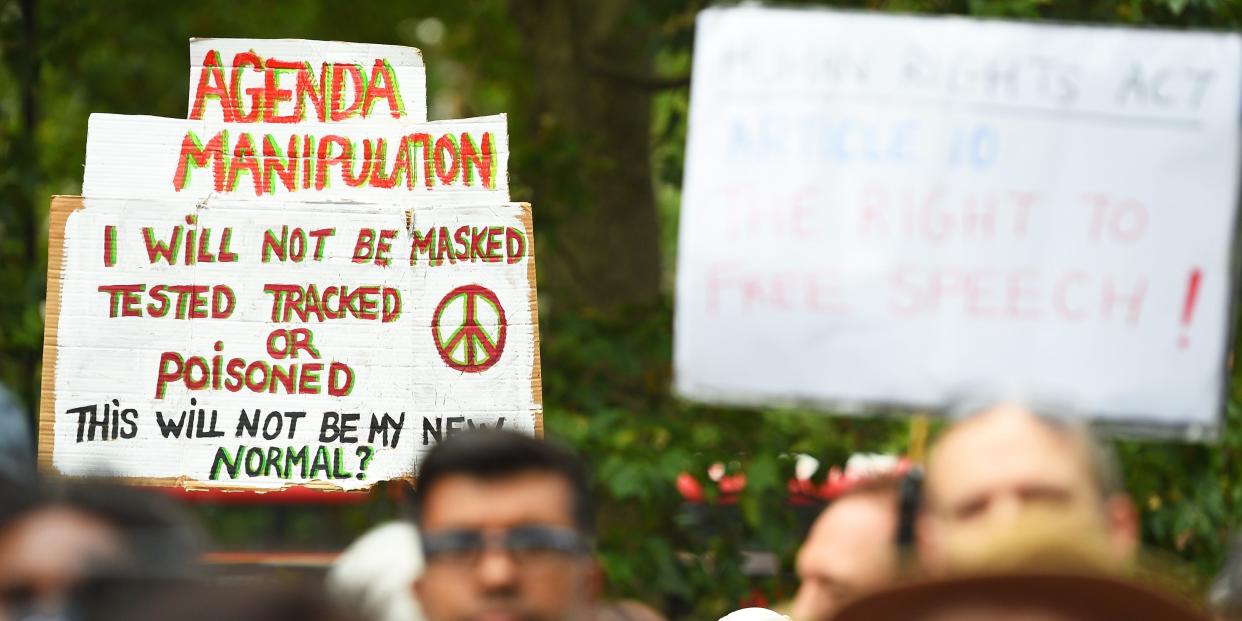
point(536, 371)
point(58, 215)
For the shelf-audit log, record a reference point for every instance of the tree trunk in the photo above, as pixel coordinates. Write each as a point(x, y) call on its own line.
point(20, 260)
point(589, 115)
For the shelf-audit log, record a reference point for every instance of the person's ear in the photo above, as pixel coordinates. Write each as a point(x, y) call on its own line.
point(929, 543)
point(418, 586)
point(1123, 527)
point(595, 579)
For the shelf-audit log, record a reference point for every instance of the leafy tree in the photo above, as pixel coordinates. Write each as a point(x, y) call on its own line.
point(597, 97)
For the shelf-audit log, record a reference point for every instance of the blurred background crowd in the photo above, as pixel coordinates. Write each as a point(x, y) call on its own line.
point(1016, 515)
point(698, 510)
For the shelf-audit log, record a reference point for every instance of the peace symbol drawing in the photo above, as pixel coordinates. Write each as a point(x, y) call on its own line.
point(469, 328)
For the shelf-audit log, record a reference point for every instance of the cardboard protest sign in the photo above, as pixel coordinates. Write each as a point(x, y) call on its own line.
point(254, 305)
point(462, 161)
point(910, 210)
point(295, 81)
point(224, 345)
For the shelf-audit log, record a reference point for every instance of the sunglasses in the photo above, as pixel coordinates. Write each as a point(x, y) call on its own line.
point(463, 547)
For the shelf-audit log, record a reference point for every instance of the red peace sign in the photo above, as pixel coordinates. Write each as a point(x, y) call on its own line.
point(466, 345)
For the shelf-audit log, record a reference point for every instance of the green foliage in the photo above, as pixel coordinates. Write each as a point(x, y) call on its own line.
point(609, 398)
point(607, 371)
point(1190, 495)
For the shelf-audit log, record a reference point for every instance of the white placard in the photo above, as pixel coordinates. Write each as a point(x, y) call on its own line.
point(358, 339)
point(462, 161)
point(912, 210)
point(305, 283)
point(295, 81)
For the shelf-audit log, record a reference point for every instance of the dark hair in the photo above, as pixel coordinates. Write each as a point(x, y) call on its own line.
point(497, 454)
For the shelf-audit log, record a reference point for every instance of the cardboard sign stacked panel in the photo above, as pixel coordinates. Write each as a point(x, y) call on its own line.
point(911, 210)
point(461, 161)
point(223, 313)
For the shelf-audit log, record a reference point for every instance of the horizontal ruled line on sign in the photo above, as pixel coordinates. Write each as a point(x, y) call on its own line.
point(907, 100)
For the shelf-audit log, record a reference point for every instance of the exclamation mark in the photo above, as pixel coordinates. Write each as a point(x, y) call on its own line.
point(109, 246)
point(1188, 309)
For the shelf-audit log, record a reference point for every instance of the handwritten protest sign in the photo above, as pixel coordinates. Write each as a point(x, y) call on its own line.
point(258, 305)
point(294, 81)
point(908, 210)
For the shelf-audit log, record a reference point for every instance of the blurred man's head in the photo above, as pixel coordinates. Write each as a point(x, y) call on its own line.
point(850, 550)
point(506, 522)
point(1004, 465)
point(47, 552)
point(56, 535)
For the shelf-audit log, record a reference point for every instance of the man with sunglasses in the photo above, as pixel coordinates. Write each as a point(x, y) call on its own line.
point(506, 522)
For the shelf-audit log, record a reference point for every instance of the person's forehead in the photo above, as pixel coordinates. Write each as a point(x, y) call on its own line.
point(464, 501)
point(54, 545)
point(1004, 447)
point(65, 527)
point(851, 530)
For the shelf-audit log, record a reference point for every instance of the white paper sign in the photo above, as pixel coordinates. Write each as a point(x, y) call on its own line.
point(909, 210)
point(462, 161)
point(214, 345)
point(295, 81)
